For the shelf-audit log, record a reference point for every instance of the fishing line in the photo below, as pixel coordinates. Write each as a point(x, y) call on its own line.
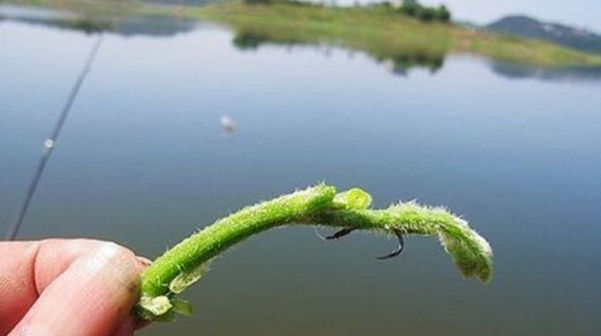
point(50, 143)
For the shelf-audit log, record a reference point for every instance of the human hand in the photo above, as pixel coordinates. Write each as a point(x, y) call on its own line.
point(67, 287)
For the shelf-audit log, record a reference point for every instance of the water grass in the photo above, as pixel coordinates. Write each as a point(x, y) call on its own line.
point(184, 264)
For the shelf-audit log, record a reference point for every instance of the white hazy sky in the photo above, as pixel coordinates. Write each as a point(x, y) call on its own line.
point(579, 13)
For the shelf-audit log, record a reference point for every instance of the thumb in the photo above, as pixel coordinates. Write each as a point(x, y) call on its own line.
point(93, 296)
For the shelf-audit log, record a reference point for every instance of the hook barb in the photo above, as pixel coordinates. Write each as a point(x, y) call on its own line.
point(397, 250)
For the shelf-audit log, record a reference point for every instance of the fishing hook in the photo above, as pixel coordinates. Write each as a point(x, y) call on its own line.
point(399, 235)
point(398, 249)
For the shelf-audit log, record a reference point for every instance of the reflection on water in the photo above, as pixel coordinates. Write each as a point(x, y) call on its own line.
point(143, 160)
point(518, 71)
point(398, 63)
point(127, 25)
point(402, 62)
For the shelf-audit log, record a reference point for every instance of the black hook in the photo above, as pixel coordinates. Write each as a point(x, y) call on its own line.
point(396, 252)
point(398, 249)
point(340, 234)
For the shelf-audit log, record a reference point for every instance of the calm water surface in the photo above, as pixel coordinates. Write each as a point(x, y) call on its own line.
point(143, 161)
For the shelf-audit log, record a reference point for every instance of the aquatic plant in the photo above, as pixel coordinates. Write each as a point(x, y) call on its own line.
point(320, 205)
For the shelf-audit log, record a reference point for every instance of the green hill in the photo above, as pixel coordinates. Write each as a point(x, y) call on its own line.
point(379, 32)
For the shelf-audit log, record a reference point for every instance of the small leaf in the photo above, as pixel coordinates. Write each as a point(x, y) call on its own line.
point(182, 306)
point(169, 316)
point(471, 253)
point(157, 306)
point(354, 198)
point(185, 279)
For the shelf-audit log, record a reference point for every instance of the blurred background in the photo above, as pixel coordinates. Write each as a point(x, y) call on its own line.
point(192, 110)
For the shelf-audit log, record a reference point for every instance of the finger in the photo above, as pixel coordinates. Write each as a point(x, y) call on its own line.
point(125, 329)
point(90, 298)
point(16, 292)
point(143, 262)
point(27, 268)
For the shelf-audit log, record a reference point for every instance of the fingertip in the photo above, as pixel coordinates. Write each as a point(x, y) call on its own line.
point(92, 297)
point(142, 263)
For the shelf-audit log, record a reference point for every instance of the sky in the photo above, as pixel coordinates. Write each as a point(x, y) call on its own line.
point(578, 13)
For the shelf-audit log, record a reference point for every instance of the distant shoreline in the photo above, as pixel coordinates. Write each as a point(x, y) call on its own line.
point(375, 30)
point(382, 34)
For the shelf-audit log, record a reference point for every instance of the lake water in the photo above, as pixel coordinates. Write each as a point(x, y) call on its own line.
point(143, 161)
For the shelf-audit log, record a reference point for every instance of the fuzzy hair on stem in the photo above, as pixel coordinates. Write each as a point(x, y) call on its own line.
point(320, 205)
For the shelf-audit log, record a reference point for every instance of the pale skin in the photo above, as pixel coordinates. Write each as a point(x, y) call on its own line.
point(74, 287)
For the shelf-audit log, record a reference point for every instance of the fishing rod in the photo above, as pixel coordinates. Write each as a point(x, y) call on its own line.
point(50, 143)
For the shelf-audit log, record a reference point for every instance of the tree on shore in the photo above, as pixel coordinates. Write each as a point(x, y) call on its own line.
point(425, 13)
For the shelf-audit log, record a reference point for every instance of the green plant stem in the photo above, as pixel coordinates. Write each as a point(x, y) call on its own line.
point(320, 205)
point(212, 240)
point(470, 252)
